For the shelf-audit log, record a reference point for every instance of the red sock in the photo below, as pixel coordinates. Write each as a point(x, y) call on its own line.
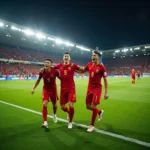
point(66, 109)
point(71, 114)
point(98, 111)
point(94, 114)
point(44, 113)
point(54, 109)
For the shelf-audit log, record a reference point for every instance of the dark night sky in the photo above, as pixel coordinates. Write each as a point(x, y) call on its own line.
point(102, 23)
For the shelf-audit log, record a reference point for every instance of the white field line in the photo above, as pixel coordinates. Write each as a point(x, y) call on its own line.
point(84, 126)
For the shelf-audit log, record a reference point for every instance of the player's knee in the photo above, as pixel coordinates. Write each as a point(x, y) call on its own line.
point(45, 104)
point(88, 107)
point(71, 105)
point(93, 106)
point(63, 107)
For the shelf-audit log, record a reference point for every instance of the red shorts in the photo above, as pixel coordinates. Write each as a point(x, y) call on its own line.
point(93, 96)
point(67, 96)
point(50, 96)
point(133, 77)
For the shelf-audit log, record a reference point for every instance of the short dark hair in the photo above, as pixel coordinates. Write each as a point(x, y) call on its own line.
point(67, 53)
point(98, 53)
point(47, 59)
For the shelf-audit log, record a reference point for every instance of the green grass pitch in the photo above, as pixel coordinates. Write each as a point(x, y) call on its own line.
point(127, 112)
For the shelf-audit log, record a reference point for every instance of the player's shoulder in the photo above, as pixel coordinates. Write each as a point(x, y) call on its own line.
point(42, 70)
point(74, 64)
point(60, 64)
point(89, 63)
point(102, 65)
point(55, 71)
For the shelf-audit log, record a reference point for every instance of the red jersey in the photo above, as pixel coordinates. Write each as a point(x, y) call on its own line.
point(67, 75)
point(96, 72)
point(49, 79)
point(133, 73)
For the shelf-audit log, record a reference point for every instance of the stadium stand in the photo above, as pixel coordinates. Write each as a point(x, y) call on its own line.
point(122, 66)
point(26, 55)
point(118, 66)
point(17, 43)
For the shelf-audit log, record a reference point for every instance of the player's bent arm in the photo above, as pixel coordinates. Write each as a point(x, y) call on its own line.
point(81, 70)
point(106, 88)
point(36, 84)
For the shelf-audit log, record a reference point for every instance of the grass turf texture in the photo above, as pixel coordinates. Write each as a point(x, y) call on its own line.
point(126, 113)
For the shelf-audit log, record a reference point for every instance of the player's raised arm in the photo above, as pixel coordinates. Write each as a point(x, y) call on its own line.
point(38, 80)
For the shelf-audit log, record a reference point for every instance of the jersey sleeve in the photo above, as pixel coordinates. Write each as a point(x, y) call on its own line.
point(86, 67)
point(103, 72)
point(76, 67)
point(57, 74)
point(57, 66)
point(40, 75)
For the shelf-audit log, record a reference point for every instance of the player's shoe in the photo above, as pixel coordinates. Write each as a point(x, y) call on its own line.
point(45, 125)
point(100, 115)
point(70, 125)
point(90, 129)
point(55, 118)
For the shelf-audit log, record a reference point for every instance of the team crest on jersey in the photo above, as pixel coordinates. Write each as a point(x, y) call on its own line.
point(97, 70)
point(69, 68)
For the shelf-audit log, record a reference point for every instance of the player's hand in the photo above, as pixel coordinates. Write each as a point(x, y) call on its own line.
point(106, 96)
point(32, 92)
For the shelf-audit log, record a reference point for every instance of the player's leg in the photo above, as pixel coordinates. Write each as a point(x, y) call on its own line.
point(95, 110)
point(133, 80)
point(54, 104)
point(71, 114)
point(71, 101)
point(44, 114)
point(65, 108)
point(96, 101)
point(45, 100)
point(89, 98)
point(64, 101)
point(93, 118)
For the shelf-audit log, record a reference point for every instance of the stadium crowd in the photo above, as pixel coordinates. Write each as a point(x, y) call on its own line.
point(117, 66)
